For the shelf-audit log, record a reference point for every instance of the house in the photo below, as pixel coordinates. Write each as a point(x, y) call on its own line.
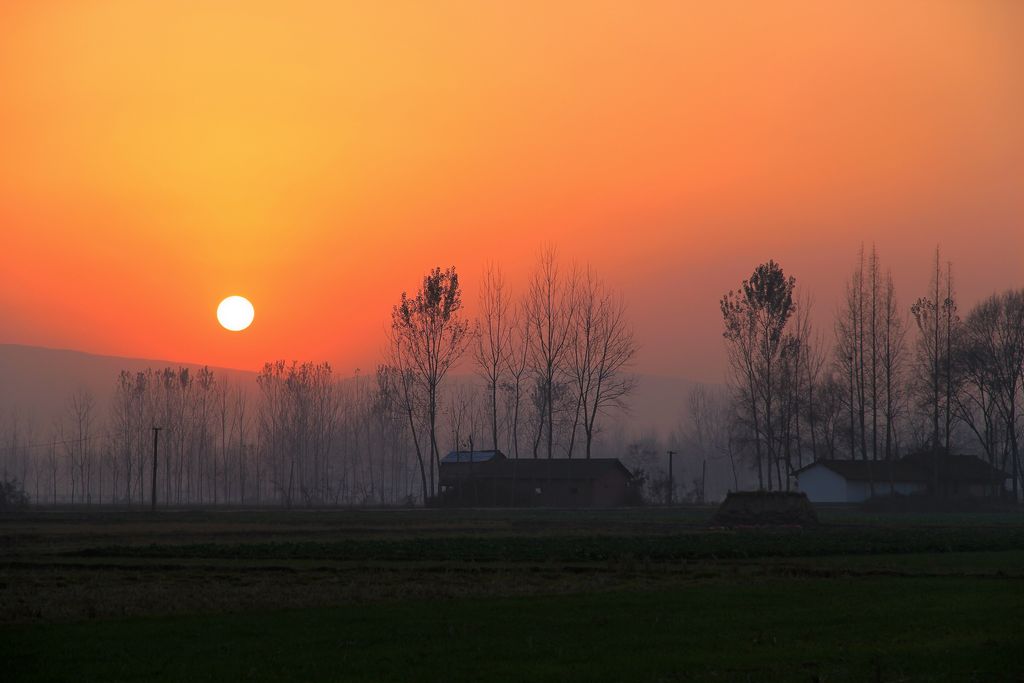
point(488, 478)
point(849, 481)
point(852, 481)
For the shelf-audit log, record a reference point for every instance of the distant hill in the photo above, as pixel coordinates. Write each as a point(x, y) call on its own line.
point(37, 382)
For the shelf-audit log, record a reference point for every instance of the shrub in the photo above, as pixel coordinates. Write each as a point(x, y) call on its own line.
point(12, 495)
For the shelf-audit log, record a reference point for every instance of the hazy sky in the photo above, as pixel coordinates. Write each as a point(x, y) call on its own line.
point(319, 157)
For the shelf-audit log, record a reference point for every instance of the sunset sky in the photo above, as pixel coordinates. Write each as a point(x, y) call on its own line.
point(319, 157)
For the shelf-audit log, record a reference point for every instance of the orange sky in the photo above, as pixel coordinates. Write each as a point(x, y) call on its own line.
point(158, 156)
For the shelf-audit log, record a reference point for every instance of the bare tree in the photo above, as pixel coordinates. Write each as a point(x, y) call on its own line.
point(77, 435)
point(299, 418)
point(810, 368)
point(493, 339)
point(827, 409)
point(601, 347)
point(240, 401)
point(549, 314)
point(755, 319)
point(934, 382)
point(992, 362)
point(464, 417)
point(433, 336)
point(408, 400)
point(869, 352)
point(517, 364)
point(388, 418)
point(952, 325)
point(853, 353)
point(801, 362)
point(928, 373)
point(126, 422)
point(893, 360)
point(874, 345)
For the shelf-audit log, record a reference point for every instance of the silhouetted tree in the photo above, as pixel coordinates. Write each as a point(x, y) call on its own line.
point(493, 340)
point(299, 419)
point(991, 358)
point(854, 351)
point(601, 347)
point(755, 319)
point(76, 433)
point(433, 335)
point(869, 357)
point(934, 381)
point(409, 400)
point(549, 312)
point(893, 361)
point(127, 423)
point(517, 364)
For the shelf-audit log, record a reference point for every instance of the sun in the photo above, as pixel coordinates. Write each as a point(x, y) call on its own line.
point(235, 313)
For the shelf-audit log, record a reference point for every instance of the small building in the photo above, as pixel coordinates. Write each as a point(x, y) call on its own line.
point(488, 478)
point(852, 481)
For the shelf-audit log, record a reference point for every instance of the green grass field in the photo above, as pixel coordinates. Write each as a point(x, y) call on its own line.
point(644, 594)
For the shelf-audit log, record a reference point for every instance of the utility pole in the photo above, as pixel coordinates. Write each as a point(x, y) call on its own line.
point(156, 437)
point(671, 485)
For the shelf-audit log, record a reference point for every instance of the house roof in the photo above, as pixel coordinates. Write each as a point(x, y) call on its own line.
point(914, 468)
point(958, 467)
point(472, 456)
point(861, 470)
point(554, 468)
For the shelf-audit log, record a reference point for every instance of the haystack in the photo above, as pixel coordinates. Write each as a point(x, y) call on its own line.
point(765, 508)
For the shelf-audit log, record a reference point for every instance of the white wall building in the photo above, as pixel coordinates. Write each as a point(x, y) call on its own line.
point(849, 481)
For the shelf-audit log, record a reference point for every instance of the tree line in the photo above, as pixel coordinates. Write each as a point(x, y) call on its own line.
point(888, 379)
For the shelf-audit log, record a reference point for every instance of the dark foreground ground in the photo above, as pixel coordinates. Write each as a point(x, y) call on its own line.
point(625, 595)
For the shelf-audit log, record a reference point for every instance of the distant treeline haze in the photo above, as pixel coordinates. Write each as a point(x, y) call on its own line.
point(552, 379)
